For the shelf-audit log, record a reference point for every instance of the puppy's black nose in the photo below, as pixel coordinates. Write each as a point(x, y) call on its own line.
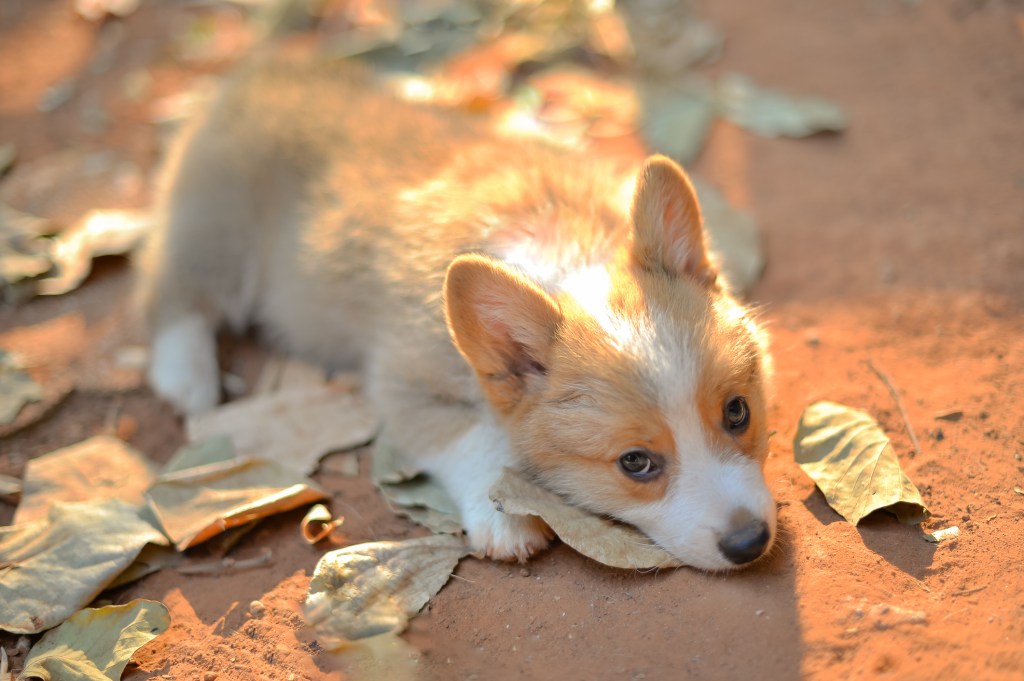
point(745, 543)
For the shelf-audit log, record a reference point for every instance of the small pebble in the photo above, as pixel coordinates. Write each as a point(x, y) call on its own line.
point(256, 609)
point(210, 676)
point(524, 572)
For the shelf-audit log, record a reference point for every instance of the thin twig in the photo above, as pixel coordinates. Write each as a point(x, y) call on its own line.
point(968, 592)
point(228, 564)
point(899, 404)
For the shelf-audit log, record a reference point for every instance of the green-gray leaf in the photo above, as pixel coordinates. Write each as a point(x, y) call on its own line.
point(16, 389)
point(96, 644)
point(853, 463)
point(734, 237)
point(372, 589)
point(677, 117)
point(772, 114)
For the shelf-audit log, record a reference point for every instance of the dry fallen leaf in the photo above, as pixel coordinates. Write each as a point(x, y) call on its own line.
point(283, 373)
point(853, 463)
point(677, 117)
point(295, 427)
point(16, 388)
point(96, 644)
point(596, 537)
point(668, 37)
point(57, 564)
point(218, 491)
point(101, 467)
point(413, 494)
point(318, 523)
point(152, 558)
point(24, 253)
point(772, 114)
point(101, 232)
point(734, 238)
point(10, 487)
point(372, 589)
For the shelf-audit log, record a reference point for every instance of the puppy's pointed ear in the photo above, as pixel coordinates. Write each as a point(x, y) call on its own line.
point(668, 230)
point(502, 323)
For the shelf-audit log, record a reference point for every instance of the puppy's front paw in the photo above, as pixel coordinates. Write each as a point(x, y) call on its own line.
point(502, 536)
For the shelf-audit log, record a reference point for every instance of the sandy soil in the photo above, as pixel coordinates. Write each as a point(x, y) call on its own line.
point(900, 243)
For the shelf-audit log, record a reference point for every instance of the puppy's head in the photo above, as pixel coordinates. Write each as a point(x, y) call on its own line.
point(636, 389)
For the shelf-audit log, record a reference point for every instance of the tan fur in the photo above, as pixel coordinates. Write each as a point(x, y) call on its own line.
point(328, 215)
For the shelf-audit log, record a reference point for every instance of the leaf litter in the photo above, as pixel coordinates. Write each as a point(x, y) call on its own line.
point(33, 263)
point(99, 233)
point(413, 494)
point(58, 564)
point(102, 467)
point(318, 524)
point(207, 489)
point(606, 541)
point(734, 238)
point(372, 589)
point(853, 463)
point(16, 388)
point(295, 427)
point(770, 113)
point(96, 644)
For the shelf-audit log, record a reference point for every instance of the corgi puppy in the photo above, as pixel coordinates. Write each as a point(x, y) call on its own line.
point(507, 307)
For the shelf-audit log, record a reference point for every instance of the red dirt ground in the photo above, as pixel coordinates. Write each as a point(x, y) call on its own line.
point(900, 242)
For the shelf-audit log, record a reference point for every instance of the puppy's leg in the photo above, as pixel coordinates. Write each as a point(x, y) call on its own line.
point(467, 467)
point(183, 364)
point(433, 416)
point(201, 268)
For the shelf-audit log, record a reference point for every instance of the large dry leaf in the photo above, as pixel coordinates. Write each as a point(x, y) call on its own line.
point(214, 494)
point(53, 566)
point(734, 238)
point(372, 589)
point(16, 388)
point(101, 232)
point(295, 427)
point(102, 467)
point(853, 463)
point(152, 558)
point(772, 114)
point(96, 644)
point(596, 537)
point(284, 373)
point(412, 494)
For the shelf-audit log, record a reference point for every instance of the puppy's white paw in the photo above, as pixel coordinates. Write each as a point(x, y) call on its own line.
point(183, 365)
point(502, 536)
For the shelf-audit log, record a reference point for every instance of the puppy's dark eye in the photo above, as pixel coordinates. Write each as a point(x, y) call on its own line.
point(736, 415)
point(639, 464)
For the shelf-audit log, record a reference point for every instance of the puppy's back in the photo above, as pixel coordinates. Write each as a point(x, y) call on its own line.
point(290, 151)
